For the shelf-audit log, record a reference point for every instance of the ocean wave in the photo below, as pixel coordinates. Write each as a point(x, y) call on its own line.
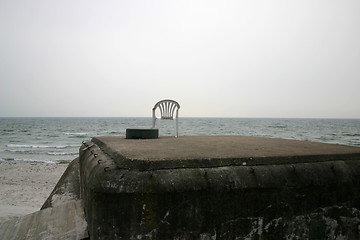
point(26, 146)
point(28, 160)
point(22, 151)
point(277, 126)
point(66, 146)
point(352, 134)
point(8, 130)
point(75, 133)
point(111, 132)
point(39, 146)
point(53, 135)
point(62, 153)
point(23, 130)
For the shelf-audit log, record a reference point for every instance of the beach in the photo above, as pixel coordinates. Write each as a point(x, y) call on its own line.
point(24, 186)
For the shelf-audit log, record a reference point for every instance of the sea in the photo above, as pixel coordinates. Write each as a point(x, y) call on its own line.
point(57, 140)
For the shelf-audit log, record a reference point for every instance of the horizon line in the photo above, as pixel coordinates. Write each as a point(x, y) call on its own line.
point(354, 118)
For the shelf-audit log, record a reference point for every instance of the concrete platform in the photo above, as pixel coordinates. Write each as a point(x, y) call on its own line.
point(222, 187)
point(216, 151)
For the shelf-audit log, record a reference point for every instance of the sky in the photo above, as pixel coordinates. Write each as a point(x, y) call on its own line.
point(235, 58)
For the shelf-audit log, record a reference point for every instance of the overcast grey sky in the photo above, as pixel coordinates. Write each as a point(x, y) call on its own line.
point(216, 58)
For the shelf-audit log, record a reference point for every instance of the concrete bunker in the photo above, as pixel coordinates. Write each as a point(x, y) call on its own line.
point(220, 187)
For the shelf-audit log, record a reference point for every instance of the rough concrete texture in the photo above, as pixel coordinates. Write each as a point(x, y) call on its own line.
point(205, 151)
point(68, 187)
point(64, 221)
point(219, 188)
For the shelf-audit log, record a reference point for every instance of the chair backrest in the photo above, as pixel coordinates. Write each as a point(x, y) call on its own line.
point(168, 108)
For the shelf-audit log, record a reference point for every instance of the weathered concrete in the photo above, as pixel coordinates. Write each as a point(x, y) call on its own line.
point(65, 221)
point(219, 151)
point(68, 187)
point(221, 187)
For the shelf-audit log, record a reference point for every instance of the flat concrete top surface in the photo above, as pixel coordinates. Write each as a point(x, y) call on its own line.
point(202, 151)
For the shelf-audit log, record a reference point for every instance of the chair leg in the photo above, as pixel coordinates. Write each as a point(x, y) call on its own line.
point(176, 128)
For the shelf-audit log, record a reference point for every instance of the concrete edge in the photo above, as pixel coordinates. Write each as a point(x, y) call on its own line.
point(143, 165)
point(100, 173)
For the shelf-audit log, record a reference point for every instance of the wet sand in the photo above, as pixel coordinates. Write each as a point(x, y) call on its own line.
point(24, 186)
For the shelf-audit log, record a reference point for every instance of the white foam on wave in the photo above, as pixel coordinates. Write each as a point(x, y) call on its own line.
point(38, 146)
point(66, 146)
point(18, 146)
point(28, 146)
point(62, 153)
point(75, 133)
point(111, 132)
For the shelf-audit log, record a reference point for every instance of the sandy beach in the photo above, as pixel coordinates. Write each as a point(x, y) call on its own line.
point(24, 186)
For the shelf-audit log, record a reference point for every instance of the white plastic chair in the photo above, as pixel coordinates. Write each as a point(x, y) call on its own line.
point(169, 110)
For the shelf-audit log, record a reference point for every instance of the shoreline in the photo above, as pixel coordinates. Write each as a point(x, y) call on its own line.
point(24, 186)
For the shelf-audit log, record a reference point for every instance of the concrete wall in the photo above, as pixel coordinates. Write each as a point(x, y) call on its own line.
point(68, 187)
point(308, 200)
